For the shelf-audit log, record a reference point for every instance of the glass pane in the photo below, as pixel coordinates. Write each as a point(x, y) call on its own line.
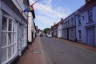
point(13, 49)
point(10, 25)
point(9, 38)
point(4, 55)
point(4, 23)
point(4, 38)
point(10, 52)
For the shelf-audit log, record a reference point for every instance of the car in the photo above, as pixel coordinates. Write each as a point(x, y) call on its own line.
point(49, 35)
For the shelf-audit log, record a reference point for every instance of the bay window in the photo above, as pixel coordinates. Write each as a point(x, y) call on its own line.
point(9, 38)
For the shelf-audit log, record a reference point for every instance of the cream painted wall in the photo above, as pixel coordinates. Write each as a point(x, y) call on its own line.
point(30, 27)
point(60, 31)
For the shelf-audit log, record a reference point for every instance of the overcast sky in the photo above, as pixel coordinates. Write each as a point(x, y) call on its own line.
point(49, 12)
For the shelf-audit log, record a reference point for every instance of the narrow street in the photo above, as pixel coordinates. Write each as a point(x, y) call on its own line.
point(60, 52)
point(47, 32)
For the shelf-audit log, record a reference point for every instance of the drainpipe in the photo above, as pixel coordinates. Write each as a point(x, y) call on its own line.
point(0, 29)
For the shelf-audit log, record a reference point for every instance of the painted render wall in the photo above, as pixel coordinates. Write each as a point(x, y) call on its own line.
point(94, 19)
point(85, 26)
point(82, 28)
point(60, 27)
point(20, 25)
point(29, 27)
point(72, 32)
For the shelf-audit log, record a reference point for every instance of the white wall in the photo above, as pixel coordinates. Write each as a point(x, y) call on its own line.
point(60, 31)
point(20, 35)
point(30, 27)
point(20, 5)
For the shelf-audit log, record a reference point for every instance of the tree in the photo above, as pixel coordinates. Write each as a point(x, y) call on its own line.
point(46, 30)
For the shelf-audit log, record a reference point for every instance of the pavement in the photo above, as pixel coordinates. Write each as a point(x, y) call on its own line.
point(58, 51)
point(34, 54)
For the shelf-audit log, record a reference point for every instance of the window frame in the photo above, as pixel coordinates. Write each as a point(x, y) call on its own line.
point(10, 46)
point(90, 15)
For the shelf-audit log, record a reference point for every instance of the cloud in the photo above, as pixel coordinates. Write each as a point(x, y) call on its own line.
point(49, 11)
point(47, 15)
point(43, 22)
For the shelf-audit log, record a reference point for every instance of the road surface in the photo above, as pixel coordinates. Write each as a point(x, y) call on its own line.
point(61, 52)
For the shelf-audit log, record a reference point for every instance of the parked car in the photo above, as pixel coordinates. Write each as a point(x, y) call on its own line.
point(49, 35)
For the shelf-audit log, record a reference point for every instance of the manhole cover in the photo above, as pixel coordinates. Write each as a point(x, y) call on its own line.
point(36, 52)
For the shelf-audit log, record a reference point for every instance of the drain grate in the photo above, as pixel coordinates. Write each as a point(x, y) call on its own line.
point(36, 52)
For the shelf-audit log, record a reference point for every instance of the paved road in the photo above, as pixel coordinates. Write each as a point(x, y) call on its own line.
point(64, 53)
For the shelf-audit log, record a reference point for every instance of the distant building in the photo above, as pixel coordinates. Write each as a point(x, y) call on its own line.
point(54, 30)
point(13, 29)
point(60, 29)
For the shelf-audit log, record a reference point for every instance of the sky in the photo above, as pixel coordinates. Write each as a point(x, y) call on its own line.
point(50, 12)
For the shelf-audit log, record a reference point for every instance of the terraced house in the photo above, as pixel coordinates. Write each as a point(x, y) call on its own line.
point(60, 29)
point(69, 28)
point(54, 30)
point(86, 23)
point(13, 29)
point(80, 26)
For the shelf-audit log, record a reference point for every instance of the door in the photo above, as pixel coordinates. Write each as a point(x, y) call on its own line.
point(91, 36)
point(67, 34)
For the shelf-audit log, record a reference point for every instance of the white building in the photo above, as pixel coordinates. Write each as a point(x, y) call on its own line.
point(60, 29)
point(13, 29)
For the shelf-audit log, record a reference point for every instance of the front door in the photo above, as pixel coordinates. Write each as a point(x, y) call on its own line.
point(91, 36)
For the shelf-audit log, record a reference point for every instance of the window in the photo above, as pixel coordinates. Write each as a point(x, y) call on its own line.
point(67, 24)
point(79, 20)
point(79, 34)
point(72, 21)
point(8, 38)
point(83, 17)
point(90, 16)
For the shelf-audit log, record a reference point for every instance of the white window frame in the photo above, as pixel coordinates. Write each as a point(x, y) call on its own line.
point(13, 43)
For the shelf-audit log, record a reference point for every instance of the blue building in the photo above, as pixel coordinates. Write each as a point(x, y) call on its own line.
point(86, 24)
point(69, 27)
point(81, 25)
